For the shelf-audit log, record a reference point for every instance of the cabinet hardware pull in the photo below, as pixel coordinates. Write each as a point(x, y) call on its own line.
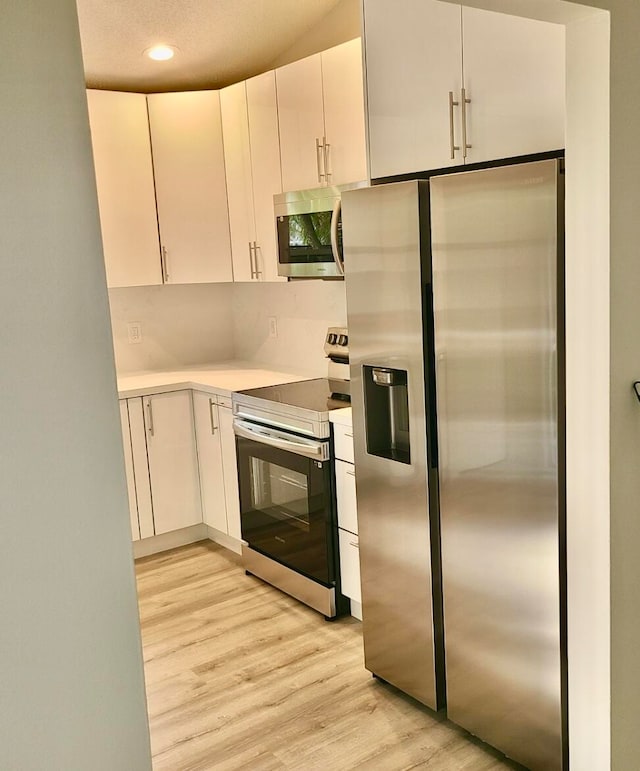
point(150, 417)
point(454, 146)
point(351, 473)
point(213, 425)
point(163, 261)
point(464, 102)
point(258, 272)
point(327, 156)
point(354, 543)
point(319, 154)
point(349, 435)
point(253, 272)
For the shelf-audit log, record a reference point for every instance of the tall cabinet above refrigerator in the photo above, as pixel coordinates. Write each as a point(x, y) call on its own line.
point(456, 324)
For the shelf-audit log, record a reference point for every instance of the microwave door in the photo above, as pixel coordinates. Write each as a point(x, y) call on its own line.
point(335, 237)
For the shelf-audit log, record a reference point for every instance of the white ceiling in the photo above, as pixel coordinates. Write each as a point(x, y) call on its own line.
point(219, 41)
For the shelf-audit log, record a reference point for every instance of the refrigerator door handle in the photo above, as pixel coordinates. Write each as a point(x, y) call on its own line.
point(335, 220)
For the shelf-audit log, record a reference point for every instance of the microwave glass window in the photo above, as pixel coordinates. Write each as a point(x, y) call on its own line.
point(305, 238)
point(280, 492)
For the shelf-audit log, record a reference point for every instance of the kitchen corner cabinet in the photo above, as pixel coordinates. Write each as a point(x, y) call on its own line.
point(421, 54)
point(321, 118)
point(124, 180)
point(188, 159)
point(217, 463)
point(252, 164)
point(173, 464)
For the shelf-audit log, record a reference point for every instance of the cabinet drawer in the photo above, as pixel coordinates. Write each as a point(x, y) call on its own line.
point(346, 496)
point(343, 442)
point(350, 565)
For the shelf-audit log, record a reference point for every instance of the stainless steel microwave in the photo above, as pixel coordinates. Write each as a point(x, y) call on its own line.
point(309, 231)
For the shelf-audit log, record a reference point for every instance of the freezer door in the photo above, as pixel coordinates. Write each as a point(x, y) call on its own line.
point(385, 287)
point(496, 267)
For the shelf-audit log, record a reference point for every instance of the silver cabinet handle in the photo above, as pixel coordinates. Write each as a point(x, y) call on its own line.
point(454, 146)
point(213, 425)
point(150, 418)
point(354, 543)
point(326, 155)
point(464, 102)
point(351, 473)
point(257, 272)
point(253, 271)
point(319, 157)
point(349, 435)
point(163, 261)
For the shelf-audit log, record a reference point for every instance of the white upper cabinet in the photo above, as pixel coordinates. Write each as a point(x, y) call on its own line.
point(301, 121)
point(237, 156)
point(321, 119)
point(514, 75)
point(173, 464)
point(426, 111)
point(188, 158)
point(343, 92)
point(264, 141)
point(124, 179)
point(252, 162)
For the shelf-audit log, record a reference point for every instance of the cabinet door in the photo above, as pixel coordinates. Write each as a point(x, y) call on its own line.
point(128, 467)
point(301, 122)
point(230, 469)
point(350, 565)
point(265, 164)
point(346, 153)
point(188, 160)
point(346, 496)
point(514, 76)
point(414, 59)
point(124, 180)
point(173, 463)
point(214, 510)
point(141, 467)
point(237, 158)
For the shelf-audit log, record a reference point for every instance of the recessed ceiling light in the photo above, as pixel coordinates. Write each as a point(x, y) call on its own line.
point(161, 53)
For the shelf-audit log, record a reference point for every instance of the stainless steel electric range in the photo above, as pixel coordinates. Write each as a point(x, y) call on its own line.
point(286, 482)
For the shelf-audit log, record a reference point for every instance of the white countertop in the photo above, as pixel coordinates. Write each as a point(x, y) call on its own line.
point(341, 416)
point(220, 378)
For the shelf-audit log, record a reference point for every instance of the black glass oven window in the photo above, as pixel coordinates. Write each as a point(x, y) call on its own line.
point(280, 492)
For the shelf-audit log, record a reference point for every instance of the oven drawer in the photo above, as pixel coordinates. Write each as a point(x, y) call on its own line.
point(343, 442)
point(346, 496)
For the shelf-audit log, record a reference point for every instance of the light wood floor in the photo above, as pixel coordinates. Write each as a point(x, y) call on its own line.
point(241, 676)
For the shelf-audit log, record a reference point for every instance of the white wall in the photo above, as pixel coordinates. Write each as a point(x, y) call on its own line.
point(181, 325)
point(72, 693)
point(304, 310)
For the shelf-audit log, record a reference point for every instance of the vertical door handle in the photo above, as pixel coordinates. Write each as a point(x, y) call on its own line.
point(213, 425)
point(326, 156)
point(253, 272)
point(258, 272)
point(165, 269)
point(319, 160)
point(453, 145)
point(150, 418)
point(464, 101)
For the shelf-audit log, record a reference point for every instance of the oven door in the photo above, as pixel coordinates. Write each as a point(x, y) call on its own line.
point(286, 499)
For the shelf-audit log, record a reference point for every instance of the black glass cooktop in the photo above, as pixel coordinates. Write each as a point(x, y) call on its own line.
point(307, 394)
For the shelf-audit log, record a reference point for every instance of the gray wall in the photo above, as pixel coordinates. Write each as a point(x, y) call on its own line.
point(72, 694)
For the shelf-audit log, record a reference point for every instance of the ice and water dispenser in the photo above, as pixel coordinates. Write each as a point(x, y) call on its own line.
point(386, 404)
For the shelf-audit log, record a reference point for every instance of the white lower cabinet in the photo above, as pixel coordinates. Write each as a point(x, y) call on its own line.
point(230, 470)
point(350, 565)
point(128, 467)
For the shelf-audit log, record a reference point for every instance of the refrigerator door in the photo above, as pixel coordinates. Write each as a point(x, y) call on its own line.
point(385, 287)
point(495, 262)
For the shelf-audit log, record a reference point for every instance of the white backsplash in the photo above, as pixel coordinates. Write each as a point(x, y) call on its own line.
point(303, 310)
point(182, 325)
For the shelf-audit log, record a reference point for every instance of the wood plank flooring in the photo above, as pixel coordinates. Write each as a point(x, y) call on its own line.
point(241, 676)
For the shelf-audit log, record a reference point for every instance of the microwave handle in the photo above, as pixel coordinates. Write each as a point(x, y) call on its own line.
point(335, 218)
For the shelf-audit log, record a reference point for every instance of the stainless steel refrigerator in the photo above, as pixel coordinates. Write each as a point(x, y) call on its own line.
point(455, 312)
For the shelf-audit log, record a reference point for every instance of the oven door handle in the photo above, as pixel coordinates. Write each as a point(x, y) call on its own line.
point(335, 248)
point(262, 435)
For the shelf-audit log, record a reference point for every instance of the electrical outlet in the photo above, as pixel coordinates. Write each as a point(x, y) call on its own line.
point(134, 332)
point(273, 326)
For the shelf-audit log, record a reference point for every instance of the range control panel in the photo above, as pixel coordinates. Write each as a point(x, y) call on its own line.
point(336, 343)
